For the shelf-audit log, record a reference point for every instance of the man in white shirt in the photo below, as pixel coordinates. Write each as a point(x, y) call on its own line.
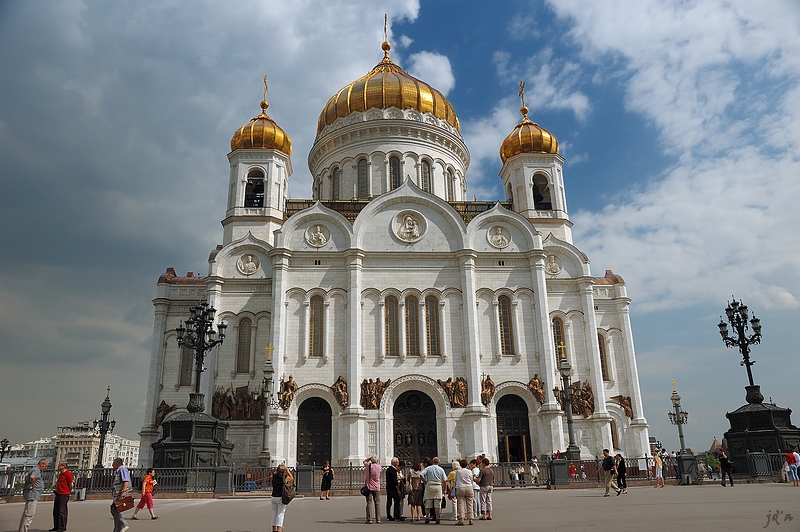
point(435, 478)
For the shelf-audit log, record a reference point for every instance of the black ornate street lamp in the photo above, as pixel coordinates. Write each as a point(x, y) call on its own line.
point(270, 402)
point(104, 425)
point(4, 447)
point(677, 416)
point(737, 317)
point(566, 394)
point(198, 334)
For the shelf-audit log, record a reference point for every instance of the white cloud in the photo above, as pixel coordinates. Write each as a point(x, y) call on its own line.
point(434, 69)
point(719, 83)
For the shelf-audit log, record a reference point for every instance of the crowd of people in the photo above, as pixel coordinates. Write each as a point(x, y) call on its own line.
point(426, 488)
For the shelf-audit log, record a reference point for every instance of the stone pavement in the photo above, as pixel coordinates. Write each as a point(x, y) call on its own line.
point(674, 508)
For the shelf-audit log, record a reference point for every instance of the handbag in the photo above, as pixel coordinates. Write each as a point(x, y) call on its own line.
point(288, 493)
point(365, 491)
point(123, 503)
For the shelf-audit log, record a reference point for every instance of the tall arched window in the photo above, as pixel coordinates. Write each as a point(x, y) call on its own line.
point(558, 336)
point(432, 332)
point(392, 338)
point(316, 327)
point(510, 194)
point(506, 331)
point(363, 182)
point(187, 366)
point(317, 188)
point(541, 194)
point(254, 190)
point(336, 178)
point(412, 326)
point(451, 194)
point(243, 346)
point(601, 342)
point(426, 176)
point(394, 172)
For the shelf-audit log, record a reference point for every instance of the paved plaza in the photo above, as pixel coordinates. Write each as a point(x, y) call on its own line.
point(675, 508)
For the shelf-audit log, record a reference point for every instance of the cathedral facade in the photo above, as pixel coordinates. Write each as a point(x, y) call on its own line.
point(400, 318)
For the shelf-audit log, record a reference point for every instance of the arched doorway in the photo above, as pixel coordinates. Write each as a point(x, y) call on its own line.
point(414, 426)
point(513, 432)
point(313, 432)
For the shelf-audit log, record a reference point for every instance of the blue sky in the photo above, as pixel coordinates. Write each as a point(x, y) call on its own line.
point(679, 123)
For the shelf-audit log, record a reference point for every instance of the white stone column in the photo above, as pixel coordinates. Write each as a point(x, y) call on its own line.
point(592, 348)
point(280, 268)
point(401, 305)
point(552, 427)
point(423, 327)
point(629, 356)
point(149, 432)
point(471, 337)
point(354, 317)
point(517, 329)
point(326, 330)
point(251, 359)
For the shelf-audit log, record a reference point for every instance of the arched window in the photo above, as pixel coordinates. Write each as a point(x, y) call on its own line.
point(541, 194)
point(426, 176)
point(614, 435)
point(601, 342)
point(317, 188)
point(392, 338)
point(336, 178)
point(510, 194)
point(558, 336)
point(394, 172)
point(254, 191)
point(432, 332)
point(506, 331)
point(412, 326)
point(316, 327)
point(363, 183)
point(243, 346)
point(450, 186)
point(187, 366)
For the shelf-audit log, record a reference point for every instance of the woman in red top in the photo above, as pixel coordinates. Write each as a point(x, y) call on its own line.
point(148, 483)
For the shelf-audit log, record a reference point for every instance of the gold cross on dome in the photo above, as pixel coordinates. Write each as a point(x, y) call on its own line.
point(265, 88)
point(673, 386)
point(269, 349)
point(385, 34)
point(522, 92)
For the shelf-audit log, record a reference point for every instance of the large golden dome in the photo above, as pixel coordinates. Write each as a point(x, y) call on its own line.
point(387, 85)
point(262, 132)
point(528, 137)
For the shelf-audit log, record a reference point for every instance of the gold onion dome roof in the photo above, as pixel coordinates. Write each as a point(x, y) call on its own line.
point(528, 137)
point(262, 132)
point(387, 85)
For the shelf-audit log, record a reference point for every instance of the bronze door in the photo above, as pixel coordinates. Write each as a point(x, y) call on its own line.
point(513, 433)
point(314, 432)
point(414, 427)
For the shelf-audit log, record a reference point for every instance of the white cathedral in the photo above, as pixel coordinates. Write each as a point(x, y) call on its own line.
point(401, 319)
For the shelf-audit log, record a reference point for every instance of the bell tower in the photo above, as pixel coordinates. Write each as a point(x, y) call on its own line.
point(260, 160)
point(532, 175)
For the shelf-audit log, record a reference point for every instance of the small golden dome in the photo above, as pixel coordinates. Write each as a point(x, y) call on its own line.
point(528, 137)
point(387, 85)
point(262, 132)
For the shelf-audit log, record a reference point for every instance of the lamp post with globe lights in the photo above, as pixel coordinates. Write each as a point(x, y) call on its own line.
point(677, 416)
point(269, 402)
point(737, 314)
point(198, 334)
point(566, 394)
point(105, 426)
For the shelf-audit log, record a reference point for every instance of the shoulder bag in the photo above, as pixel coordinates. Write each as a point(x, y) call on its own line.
point(288, 493)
